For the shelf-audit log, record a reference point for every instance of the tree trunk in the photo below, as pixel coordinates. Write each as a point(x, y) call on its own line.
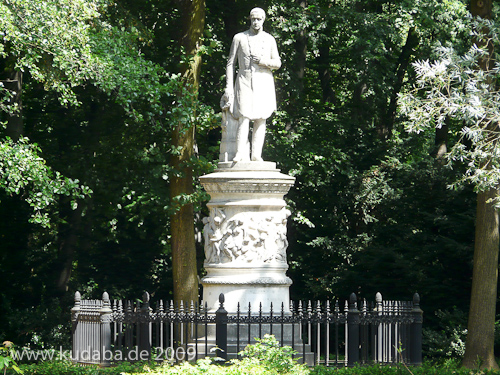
point(481, 327)
point(13, 81)
point(301, 51)
point(385, 131)
point(323, 69)
point(182, 222)
point(441, 143)
point(68, 237)
point(185, 276)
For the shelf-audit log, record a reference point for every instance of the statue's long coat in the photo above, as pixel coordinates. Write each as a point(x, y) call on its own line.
point(254, 92)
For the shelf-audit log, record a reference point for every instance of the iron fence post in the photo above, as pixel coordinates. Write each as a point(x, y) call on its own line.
point(353, 322)
point(221, 330)
point(106, 314)
point(378, 327)
point(75, 312)
point(145, 339)
point(416, 332)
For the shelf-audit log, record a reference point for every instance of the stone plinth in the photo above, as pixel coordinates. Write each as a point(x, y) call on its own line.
point(245, 236)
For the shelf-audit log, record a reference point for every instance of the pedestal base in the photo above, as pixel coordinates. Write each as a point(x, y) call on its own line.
point(258, 287)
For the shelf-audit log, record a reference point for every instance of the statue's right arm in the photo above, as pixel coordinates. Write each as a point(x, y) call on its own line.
point(231, 61)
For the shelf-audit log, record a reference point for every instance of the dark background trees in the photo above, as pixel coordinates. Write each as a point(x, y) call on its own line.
point(371, 208)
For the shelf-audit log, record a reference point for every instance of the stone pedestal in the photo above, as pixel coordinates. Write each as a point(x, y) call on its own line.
point(245, 237)
point(245, 250)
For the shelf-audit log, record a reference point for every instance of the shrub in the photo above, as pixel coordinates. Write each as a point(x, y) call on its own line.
point(266, 357)
point(449, 342)
point(269, 354)
point(7, 358)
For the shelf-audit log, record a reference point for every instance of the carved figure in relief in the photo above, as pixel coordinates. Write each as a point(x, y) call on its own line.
point(281, 239)
point(236, 244)
point(251, 95)
point(213, 236)
point(246, 240)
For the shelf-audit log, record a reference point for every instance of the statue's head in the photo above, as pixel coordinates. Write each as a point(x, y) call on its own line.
point(258, 12)
point(257, 17)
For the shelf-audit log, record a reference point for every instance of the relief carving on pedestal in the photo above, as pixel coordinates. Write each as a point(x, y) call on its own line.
point(244, 238)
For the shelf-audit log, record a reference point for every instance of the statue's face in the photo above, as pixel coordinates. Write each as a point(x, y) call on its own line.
point(256, 22)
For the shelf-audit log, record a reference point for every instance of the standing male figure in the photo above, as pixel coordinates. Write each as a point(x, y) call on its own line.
point(251, 96)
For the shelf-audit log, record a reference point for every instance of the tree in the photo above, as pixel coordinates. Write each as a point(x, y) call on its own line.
point(481, 328)
point(183, 141)
point(462, 89)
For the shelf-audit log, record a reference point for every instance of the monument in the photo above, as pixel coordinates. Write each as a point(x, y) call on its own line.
point(245, 237)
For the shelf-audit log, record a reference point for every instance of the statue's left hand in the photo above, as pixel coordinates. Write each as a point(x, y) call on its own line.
point(255, 59)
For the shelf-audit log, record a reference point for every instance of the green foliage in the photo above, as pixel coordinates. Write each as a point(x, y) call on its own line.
point(276, 359)
point(460, 89)
point(428, 368)
point(360, 204)
point(7, 358)
point(98, 108)
point(206, 366)
point(42, 326)
point(24, 172)
point(449, 342)
point(50, 39)
point(56, 367)
point(264, 357)
point(65, 44)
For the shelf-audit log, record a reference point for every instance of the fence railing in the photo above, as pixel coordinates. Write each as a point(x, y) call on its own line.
point(106, 332)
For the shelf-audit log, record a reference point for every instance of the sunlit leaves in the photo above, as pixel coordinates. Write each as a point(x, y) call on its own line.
point(50, 40)
point(24, 172)
point(463, 89)
point(66, 43)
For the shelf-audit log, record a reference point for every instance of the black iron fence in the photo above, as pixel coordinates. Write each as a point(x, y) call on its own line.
point(332, 334)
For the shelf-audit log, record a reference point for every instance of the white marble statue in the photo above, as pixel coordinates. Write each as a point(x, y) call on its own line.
point(250, 96)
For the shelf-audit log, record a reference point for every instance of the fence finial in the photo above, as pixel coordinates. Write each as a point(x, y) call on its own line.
point(105, 298)
point(145, 303)
point(416, 299)
point(221, 299)
point(75, 310)
point(353, 299)
point(378, 297)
